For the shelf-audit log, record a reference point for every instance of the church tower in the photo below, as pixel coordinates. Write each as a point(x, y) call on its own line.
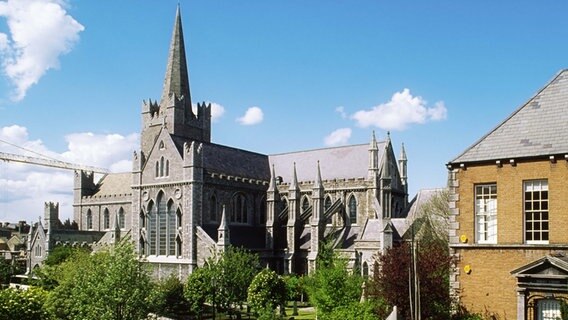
point(174, 111)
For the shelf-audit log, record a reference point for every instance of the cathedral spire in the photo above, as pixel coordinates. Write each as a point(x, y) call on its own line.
point(318, 184)
point(177, 80)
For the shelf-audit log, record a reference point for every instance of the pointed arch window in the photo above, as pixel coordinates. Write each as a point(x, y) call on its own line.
point(305, 204)
point(239, 212)
point(365, 270)
point(178, 218)
point(161, 166)
point(106, 219)
point(157, 169)
point(352, 209)
point(89, 220)
point(121, 219)
point(167, 168)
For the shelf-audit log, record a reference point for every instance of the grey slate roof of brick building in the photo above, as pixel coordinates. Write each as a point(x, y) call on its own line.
point(335, 163)
point(537, 128)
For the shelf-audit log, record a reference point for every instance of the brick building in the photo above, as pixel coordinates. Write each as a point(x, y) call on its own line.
point(509, 222)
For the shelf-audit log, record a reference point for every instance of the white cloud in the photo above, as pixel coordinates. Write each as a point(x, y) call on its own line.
point(341, 111)
point(3, 41)
point(24, 188)
point(338, 137)
point(401, 111)
point(254, 115)
point(39, 32)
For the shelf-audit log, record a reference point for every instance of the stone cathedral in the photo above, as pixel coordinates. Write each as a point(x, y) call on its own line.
point(188, 198)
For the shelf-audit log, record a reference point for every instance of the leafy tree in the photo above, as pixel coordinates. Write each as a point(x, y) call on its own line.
point(232, 273)
point(354, 311)
point(6, 271)
point(167, 298)
point(110, 284)
point(199, 289)
point(22, 304)
point(332, 286)
point(266, 292)
point(390, 281)
point(61, 253)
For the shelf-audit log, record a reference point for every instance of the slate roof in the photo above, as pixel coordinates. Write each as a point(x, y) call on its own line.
point(537, 128)
point(237, 162)
point(335, 163)
point(114, 184)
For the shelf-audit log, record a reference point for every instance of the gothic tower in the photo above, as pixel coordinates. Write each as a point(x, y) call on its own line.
point(174, 111)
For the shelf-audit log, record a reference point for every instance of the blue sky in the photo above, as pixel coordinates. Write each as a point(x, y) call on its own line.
point(74, 74)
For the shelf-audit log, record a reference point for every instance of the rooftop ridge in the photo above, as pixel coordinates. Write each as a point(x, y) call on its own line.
point(502, 123)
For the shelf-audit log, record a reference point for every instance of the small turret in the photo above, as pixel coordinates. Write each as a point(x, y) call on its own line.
point(373, 157)
point(223, 233)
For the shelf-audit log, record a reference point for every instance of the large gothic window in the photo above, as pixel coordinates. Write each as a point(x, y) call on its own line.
point(239, 209)
point(353, 209)
point(162, 225)
point(106, 219)
point(121, 218)
point(89, 220)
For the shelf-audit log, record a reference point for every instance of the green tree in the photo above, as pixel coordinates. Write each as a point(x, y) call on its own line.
point(22, 304)
point(199, 289)
point(332, 286)
point(6, 271)
point(110, 284)
point(167, 298)
point(232, 274)
point(61, 253)
point(266, 292)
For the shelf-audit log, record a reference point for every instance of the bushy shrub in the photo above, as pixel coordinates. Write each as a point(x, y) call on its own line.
point(23, 304)
point(167, 298)
point(266, 292)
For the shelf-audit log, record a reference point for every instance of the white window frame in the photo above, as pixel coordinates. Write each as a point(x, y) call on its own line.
point(536, 186)
point(486, 213)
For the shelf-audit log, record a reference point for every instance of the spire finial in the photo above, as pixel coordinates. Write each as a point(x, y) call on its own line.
point(294, 184)
point(177, 80)
point(272, 185)
point(318, 183)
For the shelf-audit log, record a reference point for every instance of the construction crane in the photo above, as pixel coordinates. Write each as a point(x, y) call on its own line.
point(45, 161)
point(49, 163)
